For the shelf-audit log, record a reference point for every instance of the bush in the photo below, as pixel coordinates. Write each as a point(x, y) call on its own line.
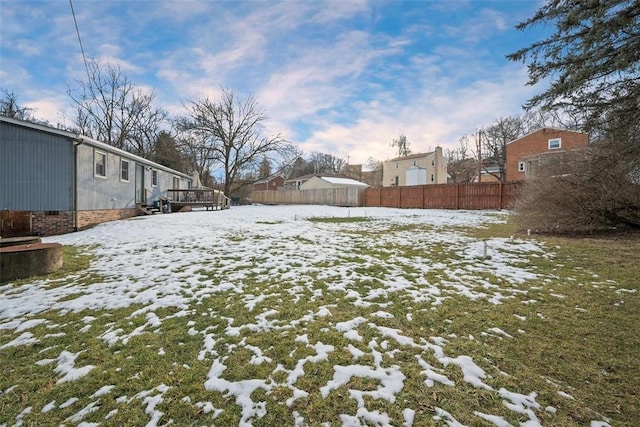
point(583, 191)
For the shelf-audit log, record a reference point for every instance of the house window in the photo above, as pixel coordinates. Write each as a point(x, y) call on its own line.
point(414, 163)
point(433, 178)
point(396, 181)
point(154, 178)
point(521, 166)
point(396, 165)
point(176, 183)
point(433, 162)
point(124, 170)
point(555, 143)
point(100, 164)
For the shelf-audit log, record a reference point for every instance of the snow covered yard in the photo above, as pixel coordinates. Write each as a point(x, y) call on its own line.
point(290, 315)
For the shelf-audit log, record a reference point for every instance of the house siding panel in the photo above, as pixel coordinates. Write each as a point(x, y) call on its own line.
point(38, 175)
point(110, 192)
point(96, 193)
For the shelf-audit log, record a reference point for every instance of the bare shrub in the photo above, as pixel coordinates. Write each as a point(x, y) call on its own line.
point(583, 192)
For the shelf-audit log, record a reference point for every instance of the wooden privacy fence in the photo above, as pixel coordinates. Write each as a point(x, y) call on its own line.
point(339, 196)
point(491, 195)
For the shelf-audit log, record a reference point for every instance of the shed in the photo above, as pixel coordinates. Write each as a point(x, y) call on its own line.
point(321, 182)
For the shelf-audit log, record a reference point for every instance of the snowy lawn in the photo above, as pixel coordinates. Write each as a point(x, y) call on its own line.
point(312, 315)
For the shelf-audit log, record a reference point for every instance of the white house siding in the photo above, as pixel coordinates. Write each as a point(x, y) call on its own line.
point(95, 193)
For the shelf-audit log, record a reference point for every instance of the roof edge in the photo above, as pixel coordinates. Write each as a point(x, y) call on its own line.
point(94, 142)
point(547, 128)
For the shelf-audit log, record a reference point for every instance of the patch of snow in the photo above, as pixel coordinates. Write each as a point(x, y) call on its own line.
point(409, 416)
point(103, 390)
point(49, 406)
point(30, 324)
point(383, 315)
point(442, 415)
point(433, 376)
point(241, 390)
point(493, 419)
point(66, 367)
point(500, 332)
point(471, 372)
point(68, 402)
point(89, 409)
point(25, 339)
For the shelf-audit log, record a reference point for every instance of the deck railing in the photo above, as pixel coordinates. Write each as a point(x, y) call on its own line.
point(208, 198)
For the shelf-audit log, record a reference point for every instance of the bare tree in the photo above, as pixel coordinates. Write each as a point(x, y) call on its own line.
point(299, 167)
point(326, 163)
point(9, 106)
point(504, 130)
point(495, 139)
point(201, 155)
point(461, 167)
point(402, 144)
point(110, 108)
point(230, 135)
point(374, 166)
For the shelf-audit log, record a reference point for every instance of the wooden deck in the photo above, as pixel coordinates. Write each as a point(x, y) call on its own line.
point(198, 198)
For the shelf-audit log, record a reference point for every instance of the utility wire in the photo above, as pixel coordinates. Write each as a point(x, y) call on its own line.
point(84, 58)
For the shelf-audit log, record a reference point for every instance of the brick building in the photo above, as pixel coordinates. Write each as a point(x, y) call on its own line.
point(270, 183)
point(527, 153)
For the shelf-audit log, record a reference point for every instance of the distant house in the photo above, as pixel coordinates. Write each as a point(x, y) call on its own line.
point(270, 183)
point(315, 189)
point(373, 178)
point(322, 182)
point(416, 169)
point(526, 154)
point(296, 183)
point(490, 172)
point(54, 181)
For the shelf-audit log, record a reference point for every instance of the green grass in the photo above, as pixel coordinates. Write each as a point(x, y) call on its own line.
point(579, 337)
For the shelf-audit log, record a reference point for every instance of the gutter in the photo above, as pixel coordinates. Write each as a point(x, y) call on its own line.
point(76, 142)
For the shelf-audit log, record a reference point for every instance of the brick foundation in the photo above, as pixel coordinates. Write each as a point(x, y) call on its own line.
point(88, 218)
point(51, 223)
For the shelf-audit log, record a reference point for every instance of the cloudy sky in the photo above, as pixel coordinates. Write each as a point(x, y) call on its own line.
point(343, 77)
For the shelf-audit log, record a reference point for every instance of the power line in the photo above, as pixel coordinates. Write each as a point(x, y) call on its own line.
point(86, 66)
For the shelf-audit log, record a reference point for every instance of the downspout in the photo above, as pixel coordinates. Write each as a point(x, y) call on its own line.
point(76, 143)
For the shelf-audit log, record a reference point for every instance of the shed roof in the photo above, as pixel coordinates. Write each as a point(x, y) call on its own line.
point(342, 181)
point(412, 156)
point(311, 175)
point(269, 178)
